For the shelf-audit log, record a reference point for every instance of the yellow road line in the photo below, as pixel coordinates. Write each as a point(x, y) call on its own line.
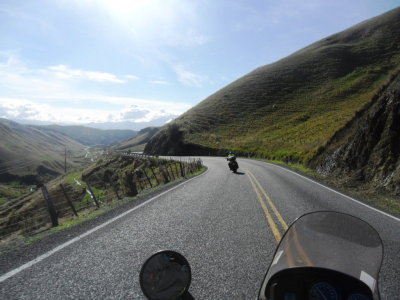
point(270, 220)
point(277, 214)
point(289, 255)
point(300, 249)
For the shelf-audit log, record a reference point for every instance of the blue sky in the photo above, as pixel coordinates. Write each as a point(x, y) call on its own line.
point(135, 63)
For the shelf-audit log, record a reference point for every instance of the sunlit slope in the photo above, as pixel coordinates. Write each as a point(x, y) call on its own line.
point(29, 155)
point(292, 107)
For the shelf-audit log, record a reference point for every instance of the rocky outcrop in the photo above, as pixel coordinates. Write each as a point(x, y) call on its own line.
point(368, 151)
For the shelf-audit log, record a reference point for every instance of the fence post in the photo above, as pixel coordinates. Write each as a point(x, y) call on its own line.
point(68, 200)
point(147, 177)
point(94, 196)
point(136, 182)
point(172, 172)
point(176, 170)
point(165, 168)
point(154, 174)
point(50, 206)
point(164, 173)
point(138, 179)
point(182, 171)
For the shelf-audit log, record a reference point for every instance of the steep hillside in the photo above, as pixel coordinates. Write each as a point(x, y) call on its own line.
point(289, 109)
point(367, 151)
point(138, 142)
point(29, 154)
point(91, 136)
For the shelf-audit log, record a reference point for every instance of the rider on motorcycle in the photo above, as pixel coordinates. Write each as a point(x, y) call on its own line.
point(231, 156)
point(233, 165)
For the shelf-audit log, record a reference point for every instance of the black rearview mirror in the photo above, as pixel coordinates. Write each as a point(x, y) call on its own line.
point(165, 275)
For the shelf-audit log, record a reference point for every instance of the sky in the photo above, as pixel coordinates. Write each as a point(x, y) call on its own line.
point(138, 63)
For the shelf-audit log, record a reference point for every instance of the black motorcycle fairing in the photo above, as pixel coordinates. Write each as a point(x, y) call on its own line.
point(332, 241)
point(315, 283)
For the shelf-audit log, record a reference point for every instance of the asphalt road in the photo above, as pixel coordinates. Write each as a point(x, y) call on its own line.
point(216, 220)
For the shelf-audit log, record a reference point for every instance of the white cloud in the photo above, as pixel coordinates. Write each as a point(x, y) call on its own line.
point(143, 111)
point(186, 77)
point(18, 79)
point(65, 72)
point(54, 82)
point(46, 95)
point(131, 77)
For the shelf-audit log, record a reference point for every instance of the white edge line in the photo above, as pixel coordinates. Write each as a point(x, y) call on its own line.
point(277, 257)
point(332, 190)
point(79, 237)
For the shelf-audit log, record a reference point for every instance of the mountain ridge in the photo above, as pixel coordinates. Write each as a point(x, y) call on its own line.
point(89, 136)
point(291, 108)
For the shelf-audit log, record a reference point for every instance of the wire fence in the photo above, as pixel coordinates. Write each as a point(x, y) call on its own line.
point(51, 205)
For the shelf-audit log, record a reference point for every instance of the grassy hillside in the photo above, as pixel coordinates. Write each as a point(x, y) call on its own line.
point(91, 136)
point(289, 109)
point(138, 142)
point(29, 154)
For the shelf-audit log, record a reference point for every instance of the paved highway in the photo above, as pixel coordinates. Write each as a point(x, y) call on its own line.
point(227, 225)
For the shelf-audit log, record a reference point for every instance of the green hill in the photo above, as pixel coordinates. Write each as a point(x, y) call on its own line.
point(91, 136)
point(293, 107)
point(138, 142)
point(30, 155)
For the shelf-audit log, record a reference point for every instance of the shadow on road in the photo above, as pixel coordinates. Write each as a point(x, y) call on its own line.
point(239, 173)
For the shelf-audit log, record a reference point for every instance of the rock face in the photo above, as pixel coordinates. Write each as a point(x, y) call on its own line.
point(369, 149)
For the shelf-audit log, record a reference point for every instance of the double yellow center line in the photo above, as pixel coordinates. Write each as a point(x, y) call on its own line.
point(293, 256)
point(260, 193)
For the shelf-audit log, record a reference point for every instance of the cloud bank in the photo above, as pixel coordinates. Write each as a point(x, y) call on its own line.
point(57, 94)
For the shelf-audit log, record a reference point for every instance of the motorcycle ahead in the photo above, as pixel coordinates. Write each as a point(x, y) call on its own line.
point(233, 165)
point(322, 256)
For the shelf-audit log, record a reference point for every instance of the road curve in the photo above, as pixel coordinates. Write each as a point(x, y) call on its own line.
point(223, 223)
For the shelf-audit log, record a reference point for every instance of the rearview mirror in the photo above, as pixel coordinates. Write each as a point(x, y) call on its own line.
point(165, 275)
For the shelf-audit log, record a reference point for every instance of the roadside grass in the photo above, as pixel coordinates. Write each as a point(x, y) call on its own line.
point(295, 167)
point(383, 201)
point(70, 179)
point(88, 215)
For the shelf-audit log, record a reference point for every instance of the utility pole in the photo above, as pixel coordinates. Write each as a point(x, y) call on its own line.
point(65, 161)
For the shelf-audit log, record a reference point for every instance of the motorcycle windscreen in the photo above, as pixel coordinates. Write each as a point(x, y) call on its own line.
point(332, 241)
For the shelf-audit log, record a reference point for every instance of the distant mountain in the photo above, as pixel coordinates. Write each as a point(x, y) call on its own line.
point(293, 107)
point(132, 126)
point(91, 136)
point(138, 143)
point(31, 154)
point(125, 125)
